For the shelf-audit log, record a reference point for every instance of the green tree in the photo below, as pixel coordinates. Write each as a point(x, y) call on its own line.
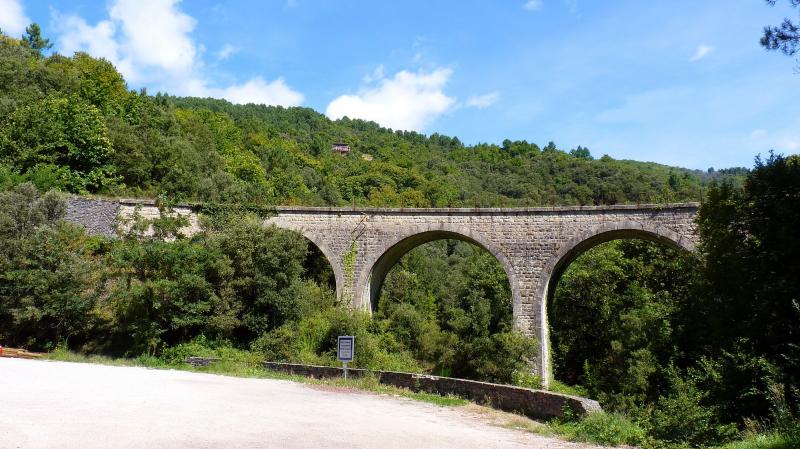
point(48, 286)
point(449, 304)
point(581, 152)
point(752, 261)
point(785, 37)
point(67, 134)
point(615, 320)
point(267, 267)
point(101, 85)
point(168, 289)
point(33, 38)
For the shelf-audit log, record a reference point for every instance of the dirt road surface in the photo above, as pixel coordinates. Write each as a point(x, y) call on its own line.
point(47, 404)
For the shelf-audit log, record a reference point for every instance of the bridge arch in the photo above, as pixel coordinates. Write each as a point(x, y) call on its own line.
point(579, 244)
point(320, 242)
point(382, 260)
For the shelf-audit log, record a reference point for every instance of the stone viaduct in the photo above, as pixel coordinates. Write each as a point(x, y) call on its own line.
point(534, 245)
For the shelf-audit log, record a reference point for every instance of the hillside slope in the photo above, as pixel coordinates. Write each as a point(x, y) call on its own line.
point(71, 123)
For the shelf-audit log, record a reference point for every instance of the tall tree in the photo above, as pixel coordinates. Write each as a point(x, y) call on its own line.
point(33, 37)
point(752, 266)
point(785, 37)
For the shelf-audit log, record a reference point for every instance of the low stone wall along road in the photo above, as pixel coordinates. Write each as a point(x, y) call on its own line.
point(46, 404)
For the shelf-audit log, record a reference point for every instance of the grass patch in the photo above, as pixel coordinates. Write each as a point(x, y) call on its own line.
point(573, 390)
point(63, 355)
point(442, 401)
point(770, 440)
point(517, 422)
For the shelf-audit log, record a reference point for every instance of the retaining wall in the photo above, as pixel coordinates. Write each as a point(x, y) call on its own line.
point(539, 404)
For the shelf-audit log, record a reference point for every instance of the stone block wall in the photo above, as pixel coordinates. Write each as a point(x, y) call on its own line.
point(103, 216)
point(97, 216)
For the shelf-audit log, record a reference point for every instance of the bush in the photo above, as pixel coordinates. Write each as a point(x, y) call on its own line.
point(684, 417)
point(170, 292)
point(312, 339)
point(266, 265)
point(48, 285)
point(203, 347)
point(608, 429)
point(574, 390)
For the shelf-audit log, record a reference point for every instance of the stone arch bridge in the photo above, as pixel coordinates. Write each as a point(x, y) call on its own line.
point(534, 245)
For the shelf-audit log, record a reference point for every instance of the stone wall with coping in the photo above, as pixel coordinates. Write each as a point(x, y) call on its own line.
point(538, 404)
point(102, 216)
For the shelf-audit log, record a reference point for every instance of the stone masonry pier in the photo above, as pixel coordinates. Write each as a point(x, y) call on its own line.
point(534, 245)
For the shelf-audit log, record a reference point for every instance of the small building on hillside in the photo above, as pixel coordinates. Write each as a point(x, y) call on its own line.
point(340, 147)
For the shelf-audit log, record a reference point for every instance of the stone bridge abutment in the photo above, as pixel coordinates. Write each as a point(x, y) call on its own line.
point(534, 245)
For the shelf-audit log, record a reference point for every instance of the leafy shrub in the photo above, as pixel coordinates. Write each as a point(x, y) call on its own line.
point(48, 283)
point(684, 416)
point(312, 339)
point(203, 347)
point(608, 429)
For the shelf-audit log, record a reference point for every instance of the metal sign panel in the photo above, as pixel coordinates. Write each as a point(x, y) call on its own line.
point(346, 348)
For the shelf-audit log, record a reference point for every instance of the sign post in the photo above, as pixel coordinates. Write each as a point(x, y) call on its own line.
point(345, 350)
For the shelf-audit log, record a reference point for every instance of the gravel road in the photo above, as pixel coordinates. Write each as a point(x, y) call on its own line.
point(47, 404)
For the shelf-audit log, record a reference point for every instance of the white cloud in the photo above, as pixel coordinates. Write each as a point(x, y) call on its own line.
point(483, 101)
point(701, 52)
point(257, 91)
point(532, 5)
point(759, 133)
point(12, 18)
point(150, 42)
point(226, 52)
point(407, 101)
point(77, 35)
point(155, 33)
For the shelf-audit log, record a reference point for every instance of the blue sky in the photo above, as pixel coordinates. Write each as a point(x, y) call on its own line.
point(679, 82)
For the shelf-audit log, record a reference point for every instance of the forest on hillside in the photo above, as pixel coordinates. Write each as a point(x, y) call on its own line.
point(71, 123)
point(682, 350)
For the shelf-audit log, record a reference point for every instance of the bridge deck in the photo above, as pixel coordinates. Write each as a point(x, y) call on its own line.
point(447, 210)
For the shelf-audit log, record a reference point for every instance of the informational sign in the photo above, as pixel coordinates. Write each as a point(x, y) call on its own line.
point(346, 348)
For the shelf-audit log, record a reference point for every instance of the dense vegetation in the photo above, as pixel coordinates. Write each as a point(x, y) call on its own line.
point(242, 283)
point(450, 303)
point(70, 123)
point(695, 347)
point(686, 350)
